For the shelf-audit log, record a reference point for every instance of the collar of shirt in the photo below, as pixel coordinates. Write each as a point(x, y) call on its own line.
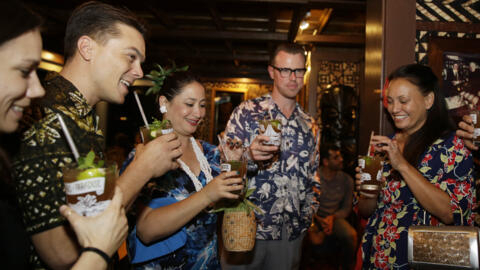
point(62, 93)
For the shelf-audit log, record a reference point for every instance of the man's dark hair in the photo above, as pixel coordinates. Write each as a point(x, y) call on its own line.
point(325, 150)
point(16, 20)
point(98, 21)
point(290, 48)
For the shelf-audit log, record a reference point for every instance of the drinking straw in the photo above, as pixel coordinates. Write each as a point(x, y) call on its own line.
point(140, 108)
point(370, 145)
point(69, 137)
point(222, 146)
point(270, 109)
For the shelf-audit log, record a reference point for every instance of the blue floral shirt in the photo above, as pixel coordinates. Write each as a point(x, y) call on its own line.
point(200, 250)
point(447, 164)
point(284, 190)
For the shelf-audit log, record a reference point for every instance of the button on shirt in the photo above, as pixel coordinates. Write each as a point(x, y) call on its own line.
point(284, 190)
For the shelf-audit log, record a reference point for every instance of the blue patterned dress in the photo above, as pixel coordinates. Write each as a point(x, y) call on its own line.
point(447, 164)
point(200, 250)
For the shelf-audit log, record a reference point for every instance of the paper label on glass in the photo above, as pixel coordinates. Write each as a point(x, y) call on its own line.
point(476, 132)
point(166, 131)
point(96, 184)
point(365, 177)
point(361, 163)
point(225, 167)
point(474, 118)
point(379, 175)
point(274, 136)
point(89, 206)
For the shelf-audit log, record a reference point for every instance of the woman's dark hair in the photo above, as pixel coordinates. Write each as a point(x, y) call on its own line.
point(438, 123)
point(16, 19)
point(173, 84)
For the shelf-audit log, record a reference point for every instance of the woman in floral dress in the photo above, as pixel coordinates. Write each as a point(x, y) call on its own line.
point(175, 203)
point(427, 173)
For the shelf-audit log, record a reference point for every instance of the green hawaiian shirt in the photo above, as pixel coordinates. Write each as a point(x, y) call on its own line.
point(44, 151)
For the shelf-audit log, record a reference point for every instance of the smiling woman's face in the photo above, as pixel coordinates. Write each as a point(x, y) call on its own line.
point(19, 82)
point(187, 109)
point(407, 106)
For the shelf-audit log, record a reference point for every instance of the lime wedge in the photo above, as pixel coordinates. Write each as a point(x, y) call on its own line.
point(91, 173)
point(153, 133)
point(275, 123)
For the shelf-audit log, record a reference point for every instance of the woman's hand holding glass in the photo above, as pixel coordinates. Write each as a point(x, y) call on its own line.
point(105, 231)
point(358, 183)
point(392, 149)
point(465, 132)
point(223, 186)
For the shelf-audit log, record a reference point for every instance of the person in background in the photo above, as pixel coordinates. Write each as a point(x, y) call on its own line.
point(428, 172)
point(284, 189)
point(20, 49)
point(104, 48)
point(177, 200)
point(335, 205)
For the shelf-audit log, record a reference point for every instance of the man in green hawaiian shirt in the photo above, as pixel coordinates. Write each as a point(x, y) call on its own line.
point(104, 48)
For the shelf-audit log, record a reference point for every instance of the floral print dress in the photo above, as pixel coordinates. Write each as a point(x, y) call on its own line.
point(200, 250)
point(448, 165)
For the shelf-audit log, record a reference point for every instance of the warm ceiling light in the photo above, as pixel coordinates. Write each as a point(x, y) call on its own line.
point(52, 57)
point(304, 25)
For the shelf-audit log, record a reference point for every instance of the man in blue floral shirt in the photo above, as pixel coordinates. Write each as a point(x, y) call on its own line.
point(284, 179)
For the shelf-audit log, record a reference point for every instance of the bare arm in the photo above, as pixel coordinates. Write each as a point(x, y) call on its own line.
point(105, 231)
point(433, 199)
point(90, 260)
point(154, 224)
point(151, 160)
point(57, 247)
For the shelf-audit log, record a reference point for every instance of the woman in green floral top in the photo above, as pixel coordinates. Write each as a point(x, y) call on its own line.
point(427, 173)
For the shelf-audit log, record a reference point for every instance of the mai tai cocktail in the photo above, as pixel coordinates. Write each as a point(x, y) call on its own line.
point(371, 173)
point(273, 129)
point(89, 186)
point(155, 129)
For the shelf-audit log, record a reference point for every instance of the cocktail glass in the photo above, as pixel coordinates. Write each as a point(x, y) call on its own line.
point(89, 191)
point(155, 130)
point(475, 115)
point(233, 159)
point(371, 173)
point(273, 129)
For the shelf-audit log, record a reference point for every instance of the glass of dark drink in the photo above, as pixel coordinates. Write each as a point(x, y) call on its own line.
point(273, 129)
point(89, 190)
point(371, 173)
point(155, 129)
point(475, 115)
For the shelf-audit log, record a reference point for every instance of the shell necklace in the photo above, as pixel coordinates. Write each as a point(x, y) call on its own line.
point(204, 166)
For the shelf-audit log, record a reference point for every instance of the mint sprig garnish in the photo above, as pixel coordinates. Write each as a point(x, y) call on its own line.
point(243, 204)
point(88, 162)
point(158, 77)
point(158, 124)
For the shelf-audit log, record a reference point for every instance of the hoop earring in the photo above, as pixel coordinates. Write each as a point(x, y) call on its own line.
point(163, 109)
